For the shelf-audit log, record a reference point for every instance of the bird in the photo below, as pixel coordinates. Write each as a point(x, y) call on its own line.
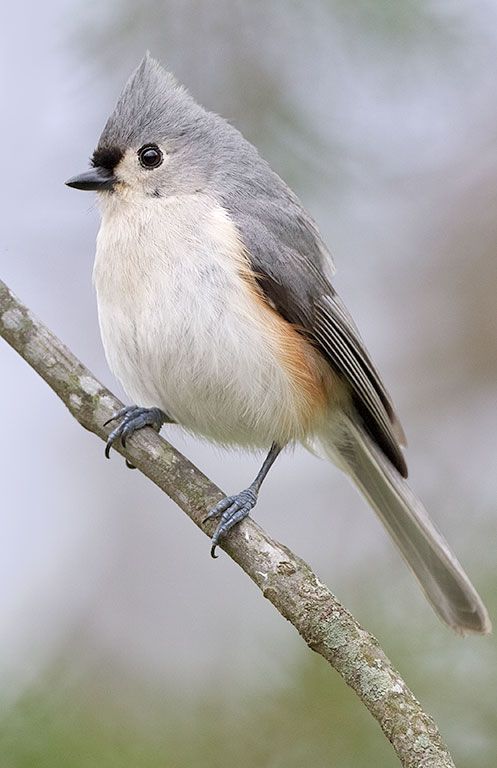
point(218, 313)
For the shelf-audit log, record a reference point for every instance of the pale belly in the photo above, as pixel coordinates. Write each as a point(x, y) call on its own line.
point(182, 332)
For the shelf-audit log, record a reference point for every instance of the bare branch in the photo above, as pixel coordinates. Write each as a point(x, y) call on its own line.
point(283, 578)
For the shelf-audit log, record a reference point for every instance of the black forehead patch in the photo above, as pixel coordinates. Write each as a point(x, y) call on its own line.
point(107, 157)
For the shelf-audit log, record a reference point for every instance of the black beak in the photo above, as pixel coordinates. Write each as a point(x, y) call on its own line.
point(96, 179)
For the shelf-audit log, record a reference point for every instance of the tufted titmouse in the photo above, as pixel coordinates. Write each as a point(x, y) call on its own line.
point(217, 313)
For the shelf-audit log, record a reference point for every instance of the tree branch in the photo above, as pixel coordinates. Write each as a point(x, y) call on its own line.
point(283, 578)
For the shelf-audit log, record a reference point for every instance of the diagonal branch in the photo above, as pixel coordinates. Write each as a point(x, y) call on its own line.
point(283, 578)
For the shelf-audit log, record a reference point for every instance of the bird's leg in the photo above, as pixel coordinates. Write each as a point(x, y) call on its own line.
point(233, 509)
point(131, 418)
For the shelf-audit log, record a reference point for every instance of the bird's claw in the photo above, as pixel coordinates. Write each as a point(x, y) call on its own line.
point(131, 418)
point(232, 510)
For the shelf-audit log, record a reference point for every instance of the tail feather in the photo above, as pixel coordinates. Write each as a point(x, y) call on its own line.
point(441, 576)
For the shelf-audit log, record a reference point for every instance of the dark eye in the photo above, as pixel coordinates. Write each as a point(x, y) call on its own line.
point(150, 156)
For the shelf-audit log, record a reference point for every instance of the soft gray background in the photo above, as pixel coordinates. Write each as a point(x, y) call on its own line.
point(383, 118)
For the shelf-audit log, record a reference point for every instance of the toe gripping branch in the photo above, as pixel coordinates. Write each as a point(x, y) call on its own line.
point(233, 509)
point(131, 418)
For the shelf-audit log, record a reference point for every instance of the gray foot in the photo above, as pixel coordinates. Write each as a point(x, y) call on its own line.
point(132, 417)
point(231, 510)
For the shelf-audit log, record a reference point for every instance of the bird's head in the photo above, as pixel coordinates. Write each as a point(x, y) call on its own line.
point(156, 142)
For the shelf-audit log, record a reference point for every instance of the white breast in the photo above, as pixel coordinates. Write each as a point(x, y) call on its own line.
point(180, 328)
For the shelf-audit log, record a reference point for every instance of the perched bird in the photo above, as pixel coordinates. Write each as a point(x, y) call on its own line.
point(217, 313)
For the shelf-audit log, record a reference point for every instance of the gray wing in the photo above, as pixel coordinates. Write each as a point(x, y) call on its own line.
point(293, 269)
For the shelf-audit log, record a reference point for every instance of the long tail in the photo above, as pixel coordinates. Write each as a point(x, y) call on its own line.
point(441, 576)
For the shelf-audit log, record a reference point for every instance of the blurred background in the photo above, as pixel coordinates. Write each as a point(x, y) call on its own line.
point(121, 642)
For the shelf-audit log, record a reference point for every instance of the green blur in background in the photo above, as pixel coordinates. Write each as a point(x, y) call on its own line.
point(100, 716)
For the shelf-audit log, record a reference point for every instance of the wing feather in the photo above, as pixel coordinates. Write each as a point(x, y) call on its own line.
point(293, 269)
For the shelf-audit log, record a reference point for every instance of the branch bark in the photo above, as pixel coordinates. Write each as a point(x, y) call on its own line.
point(283, 578)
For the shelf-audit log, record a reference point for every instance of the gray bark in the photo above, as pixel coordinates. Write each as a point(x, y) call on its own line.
point(283, 578)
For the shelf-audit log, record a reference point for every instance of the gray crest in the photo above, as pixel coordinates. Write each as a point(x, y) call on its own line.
point(152, 107)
